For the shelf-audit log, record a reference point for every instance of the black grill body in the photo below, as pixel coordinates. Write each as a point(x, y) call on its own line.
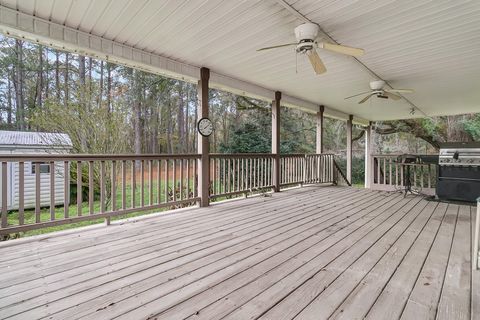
point(459, 172)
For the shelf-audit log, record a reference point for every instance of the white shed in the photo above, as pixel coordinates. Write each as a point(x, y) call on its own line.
point(17, 142)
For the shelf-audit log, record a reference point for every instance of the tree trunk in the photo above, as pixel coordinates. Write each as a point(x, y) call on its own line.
point(47, 70)
point(187, 129)
point(169, 129)
point(100, 94)
point(180, 120)
point(67, 94)
point(57, 74)
point(39, 77)
point(20, 118)
point(81, 77)
point(137, 111)
point(9, 103)
point(109, 86)
point(81, 70)
point(90, 80)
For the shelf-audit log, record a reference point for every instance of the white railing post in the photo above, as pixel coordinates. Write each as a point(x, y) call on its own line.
point(476, 245)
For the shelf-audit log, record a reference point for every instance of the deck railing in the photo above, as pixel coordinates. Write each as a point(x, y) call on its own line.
point(306, 169)
point(89, 187)
point(233, 174)
point(39, 191)
point(390, 175)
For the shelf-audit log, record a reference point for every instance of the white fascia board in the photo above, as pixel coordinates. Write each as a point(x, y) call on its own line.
point(20, 25)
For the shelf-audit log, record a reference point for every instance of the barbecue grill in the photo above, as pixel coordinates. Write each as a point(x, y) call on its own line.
point(459, 171)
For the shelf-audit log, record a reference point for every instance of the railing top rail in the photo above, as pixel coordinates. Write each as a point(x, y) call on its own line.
point(399, 154)
point(242, 155)
point(94, 157)
point(265, 155)
point(320, 154)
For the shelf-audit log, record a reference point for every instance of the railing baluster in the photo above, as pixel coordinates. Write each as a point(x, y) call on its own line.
point(234, 182)
point(142, 183)
point(255, 173)
point(159, 181)
point(79, 188)
point(229, 181)
point(195, 169)
point(242, 174)
point(421, 177)
point(396, 173)
point(124, 184)
point(113, 195)
point(224, 190)
point(166, 180)
point(150, 182)
point(52, 190)
point(188, 179)
point(4, 194)
point(390, 171)
point(133, 183)
point(37, 192)
point(237, 175)
point(102, 187)
point(21, 193)
point(181, 179)
point(91, 207)
point(414, 176)
point(174, 183)
point(66, 189)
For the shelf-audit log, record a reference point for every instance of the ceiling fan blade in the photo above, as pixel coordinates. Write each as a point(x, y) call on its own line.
point(392, 96)
point(350, 51)
point(279, 46)
point(400, 90)
point(366, 98)
point(356, 95)
point(316, 62)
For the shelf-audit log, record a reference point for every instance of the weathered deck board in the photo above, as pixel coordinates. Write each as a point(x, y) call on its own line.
point(314, 252)
point(455, 299)
point(424, 298)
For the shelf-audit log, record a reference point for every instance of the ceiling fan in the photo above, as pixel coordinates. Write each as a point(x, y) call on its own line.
point(306, 35)
point(378, 89)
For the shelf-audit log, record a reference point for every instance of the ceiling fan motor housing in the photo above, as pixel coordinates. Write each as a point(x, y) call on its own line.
point(377, 85)
point(306, 31)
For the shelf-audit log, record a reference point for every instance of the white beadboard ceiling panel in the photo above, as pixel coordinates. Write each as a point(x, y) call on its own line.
point(430, 46)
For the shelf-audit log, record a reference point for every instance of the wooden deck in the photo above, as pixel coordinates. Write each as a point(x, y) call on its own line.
point(308, 253)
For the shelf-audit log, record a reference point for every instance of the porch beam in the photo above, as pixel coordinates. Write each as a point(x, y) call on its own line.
point(349, 148)
point(368, 156)
point(276, 140)
point(319, 137)
point(203, 143)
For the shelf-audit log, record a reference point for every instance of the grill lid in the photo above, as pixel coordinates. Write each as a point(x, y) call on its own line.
point(459, 154)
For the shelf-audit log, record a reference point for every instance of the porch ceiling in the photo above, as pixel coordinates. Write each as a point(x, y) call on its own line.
point(430, 46)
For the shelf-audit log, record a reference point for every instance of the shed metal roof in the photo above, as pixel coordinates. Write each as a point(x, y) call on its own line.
point(21, 138)
point(430, 46)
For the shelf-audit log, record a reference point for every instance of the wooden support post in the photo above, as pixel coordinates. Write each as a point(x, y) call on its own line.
point(319, 140)
point(349, 148)
point(203, 143)
point(368, 156)
point(276, 140)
